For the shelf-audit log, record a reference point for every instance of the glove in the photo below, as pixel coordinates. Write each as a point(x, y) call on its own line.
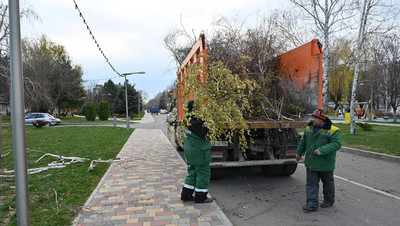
point(317, 152)
point(298, 157)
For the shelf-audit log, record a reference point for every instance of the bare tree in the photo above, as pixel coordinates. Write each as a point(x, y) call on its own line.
point(328, 16)
point(390, 64)
point(250, 51)
point(288, 29)
point(173, 42)
point(26, 14)
point(376, 17)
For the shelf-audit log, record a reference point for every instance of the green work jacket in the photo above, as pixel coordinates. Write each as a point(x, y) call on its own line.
point(327, 140)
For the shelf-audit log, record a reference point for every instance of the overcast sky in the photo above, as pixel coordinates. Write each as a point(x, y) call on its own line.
point(131, 33)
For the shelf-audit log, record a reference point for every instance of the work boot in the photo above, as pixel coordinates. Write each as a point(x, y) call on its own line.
point(326, 204)
point(201, 197)
point(187, 194)
point(310, 207)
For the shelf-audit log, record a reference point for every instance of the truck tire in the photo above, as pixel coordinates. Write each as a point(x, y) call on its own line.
point(217, 173)
point(288, 169)
point(271, 171)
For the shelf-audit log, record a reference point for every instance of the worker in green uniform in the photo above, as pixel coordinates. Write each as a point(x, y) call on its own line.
point(320, 142)
point(197, 151)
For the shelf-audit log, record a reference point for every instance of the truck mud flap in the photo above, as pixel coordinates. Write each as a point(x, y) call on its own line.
point(253, 163)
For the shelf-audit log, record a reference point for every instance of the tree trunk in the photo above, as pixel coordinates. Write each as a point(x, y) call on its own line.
point(325, 63)
point(1, 132)
point(361, 35)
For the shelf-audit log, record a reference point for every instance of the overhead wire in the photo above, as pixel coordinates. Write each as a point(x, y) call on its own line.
point(95, 40)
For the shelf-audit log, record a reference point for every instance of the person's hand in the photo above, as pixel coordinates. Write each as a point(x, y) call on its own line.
point(317, 152)
point(298, 157)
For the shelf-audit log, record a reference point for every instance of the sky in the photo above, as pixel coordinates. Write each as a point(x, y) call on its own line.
point(131, 33)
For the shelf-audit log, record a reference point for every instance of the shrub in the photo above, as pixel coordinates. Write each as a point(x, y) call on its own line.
point(90, 111)
point(104, 111)
point(365, 126)
point(40, 123)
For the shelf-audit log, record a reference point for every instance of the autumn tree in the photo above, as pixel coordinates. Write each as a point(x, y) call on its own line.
point(340, 71)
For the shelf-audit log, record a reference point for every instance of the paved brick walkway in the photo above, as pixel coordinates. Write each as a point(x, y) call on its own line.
point(144, 188)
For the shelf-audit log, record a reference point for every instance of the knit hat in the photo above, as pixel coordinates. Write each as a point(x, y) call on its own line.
point(319, 114)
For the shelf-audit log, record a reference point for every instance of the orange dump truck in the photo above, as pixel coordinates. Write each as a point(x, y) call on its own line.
point(301, 69)
point(273, 146)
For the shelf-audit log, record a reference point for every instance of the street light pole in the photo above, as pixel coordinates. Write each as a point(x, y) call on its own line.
point(126, 96)
point(138, 98)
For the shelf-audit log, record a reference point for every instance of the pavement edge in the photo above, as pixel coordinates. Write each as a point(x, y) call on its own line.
point(370, 154)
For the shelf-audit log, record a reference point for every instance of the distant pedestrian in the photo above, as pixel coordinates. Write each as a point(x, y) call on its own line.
point(360, 113)
point(320, 142)
point(197, 151)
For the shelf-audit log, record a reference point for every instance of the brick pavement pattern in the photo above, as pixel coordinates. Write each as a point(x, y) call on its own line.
point(144, 188)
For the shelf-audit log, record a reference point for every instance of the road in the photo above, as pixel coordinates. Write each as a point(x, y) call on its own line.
point(367, 193)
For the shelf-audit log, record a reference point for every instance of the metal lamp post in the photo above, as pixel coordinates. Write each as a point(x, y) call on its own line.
point(138, 103)
point(126, 95)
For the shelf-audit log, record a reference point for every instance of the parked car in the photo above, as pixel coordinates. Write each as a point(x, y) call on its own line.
point(37, 116)
point(163, 111)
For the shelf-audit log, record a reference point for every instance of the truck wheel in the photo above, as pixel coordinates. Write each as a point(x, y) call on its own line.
point(217, 173)
point(271, 171)
point(289, 169)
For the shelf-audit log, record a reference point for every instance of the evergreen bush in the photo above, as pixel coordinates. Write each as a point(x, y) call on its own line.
point(90, 111)
point(104, 111)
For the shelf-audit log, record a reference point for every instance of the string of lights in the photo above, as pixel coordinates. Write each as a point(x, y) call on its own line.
point(94, 39)
point(101, 79)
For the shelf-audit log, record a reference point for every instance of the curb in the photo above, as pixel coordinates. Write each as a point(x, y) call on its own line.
point(369, 154)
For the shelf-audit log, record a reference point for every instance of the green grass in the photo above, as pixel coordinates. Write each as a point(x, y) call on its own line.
point(382, 139)
point(56, 195)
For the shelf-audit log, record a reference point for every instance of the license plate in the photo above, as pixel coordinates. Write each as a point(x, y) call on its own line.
point(221, 144)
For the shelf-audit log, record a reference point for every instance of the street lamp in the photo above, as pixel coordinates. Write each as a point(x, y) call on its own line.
point(138, 97)
point(126, 94)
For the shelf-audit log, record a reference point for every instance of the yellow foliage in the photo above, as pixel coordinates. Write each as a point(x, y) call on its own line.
point(220, 102)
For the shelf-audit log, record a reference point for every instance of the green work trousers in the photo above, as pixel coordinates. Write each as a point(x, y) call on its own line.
point(199, 177)
point(198, 155)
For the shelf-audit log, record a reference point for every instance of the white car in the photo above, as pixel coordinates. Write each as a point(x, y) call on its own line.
point(163, 111)
point(33, 117)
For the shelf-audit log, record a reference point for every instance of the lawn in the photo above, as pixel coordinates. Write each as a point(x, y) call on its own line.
point(56, 195)
point(382, 139)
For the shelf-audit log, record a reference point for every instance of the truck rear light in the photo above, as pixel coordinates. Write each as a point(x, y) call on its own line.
point(290, 153)
point(217, 154)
